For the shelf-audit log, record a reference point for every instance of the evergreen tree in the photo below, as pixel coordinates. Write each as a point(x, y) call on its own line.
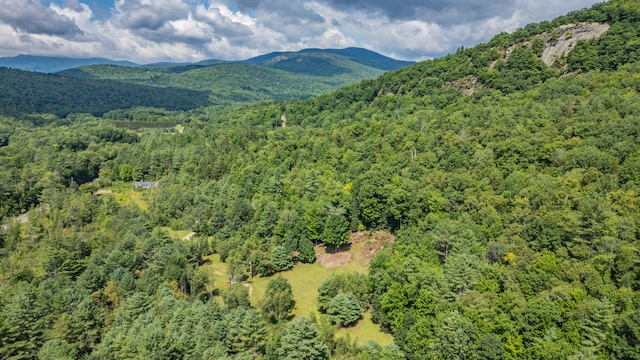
point(344, 309)
point(336, 229)
point(307, 252)
point(280, 259)
point(301, 340)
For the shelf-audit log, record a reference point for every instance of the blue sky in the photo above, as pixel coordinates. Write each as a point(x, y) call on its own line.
point(191, 30)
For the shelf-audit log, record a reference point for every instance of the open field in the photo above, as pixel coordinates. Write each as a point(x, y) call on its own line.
point(305, 279)
point(124, 194)
point(177, 234)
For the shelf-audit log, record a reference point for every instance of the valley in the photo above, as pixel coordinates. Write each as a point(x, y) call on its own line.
point(481, 205)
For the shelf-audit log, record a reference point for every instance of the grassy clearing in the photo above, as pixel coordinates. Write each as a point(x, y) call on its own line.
point(366, 330)
point(304, 280)
point(125, 195)
point(216, 272)
point(176, 234)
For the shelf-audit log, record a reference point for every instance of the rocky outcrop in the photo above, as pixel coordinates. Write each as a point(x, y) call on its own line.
point(559, 42)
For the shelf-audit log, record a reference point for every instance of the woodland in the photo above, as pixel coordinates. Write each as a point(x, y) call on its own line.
point(100, 88)
point(511, 188)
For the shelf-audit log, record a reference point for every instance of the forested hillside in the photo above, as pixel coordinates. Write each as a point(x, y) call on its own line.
point(26, 93)
point(511, 188)
point(101, 88)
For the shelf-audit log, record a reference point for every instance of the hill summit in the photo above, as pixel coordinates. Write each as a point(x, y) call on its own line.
point(49, 64)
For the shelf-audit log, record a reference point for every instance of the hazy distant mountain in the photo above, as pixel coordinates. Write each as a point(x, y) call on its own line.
point(361, 56)
point(98, 85)
point(274, 76)
point(24, 92)
point(48, 64)
point(303, 61)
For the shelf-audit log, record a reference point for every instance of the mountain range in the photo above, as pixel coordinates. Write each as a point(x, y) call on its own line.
point(48, 64)
point(97, 86)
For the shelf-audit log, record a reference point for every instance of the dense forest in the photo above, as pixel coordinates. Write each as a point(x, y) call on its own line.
point(511, 187)
point(98, 89)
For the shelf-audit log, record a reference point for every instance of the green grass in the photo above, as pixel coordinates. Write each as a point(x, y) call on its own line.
point(176, 234)
point(366, 330)
point(125, 195)
point(216, 272)
point(304, 280)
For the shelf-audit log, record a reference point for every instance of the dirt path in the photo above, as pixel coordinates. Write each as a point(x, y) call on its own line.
point(244, 283)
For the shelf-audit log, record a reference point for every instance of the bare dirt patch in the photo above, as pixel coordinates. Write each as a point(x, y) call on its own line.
point(334, 260)
point(370, 243)
point(102, 192)
point(361, 248)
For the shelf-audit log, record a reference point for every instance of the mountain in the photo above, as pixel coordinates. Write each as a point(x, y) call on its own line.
point(484, 205)
point(28, 92)
point(47, 64)
point(275, 76)
point(287, 60)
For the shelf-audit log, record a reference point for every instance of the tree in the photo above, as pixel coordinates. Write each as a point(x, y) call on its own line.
point(354, 283)
point(236, 296)
point(336, 228)
point(444, 238)
point(58, 349)
point(301, 340)
point(371, 350)
point(243, 331)
point(453, 338)
point(278, 300)
point(307, 252)
point(461, 272)
point(344, 309)
point(625, 342)
point(280, 259)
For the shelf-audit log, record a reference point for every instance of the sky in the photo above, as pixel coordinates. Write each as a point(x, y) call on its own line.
point(146, 31)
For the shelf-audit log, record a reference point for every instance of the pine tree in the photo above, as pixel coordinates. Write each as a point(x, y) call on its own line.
point(280, 259)
point(344, 309)
point(301, 340)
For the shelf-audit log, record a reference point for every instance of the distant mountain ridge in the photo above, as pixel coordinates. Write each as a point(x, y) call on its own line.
point(358, 55)
point(51, 64)
point(103, 85)
point(48, 64)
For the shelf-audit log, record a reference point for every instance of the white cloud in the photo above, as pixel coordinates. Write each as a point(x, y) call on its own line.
point(190, 30)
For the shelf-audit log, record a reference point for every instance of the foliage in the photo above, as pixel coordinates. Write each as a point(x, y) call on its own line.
point(278, 301)
point(280, 259)
point(301, 341)
point(336, 229)
point(344, 309)
point(355, 284)
point(514, 210)
point(33, 93)
point(236, 296)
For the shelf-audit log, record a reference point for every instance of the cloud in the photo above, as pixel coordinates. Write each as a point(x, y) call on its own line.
point(149, 15)
point(432, 11)
point(192, 30)
point(32, 18)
